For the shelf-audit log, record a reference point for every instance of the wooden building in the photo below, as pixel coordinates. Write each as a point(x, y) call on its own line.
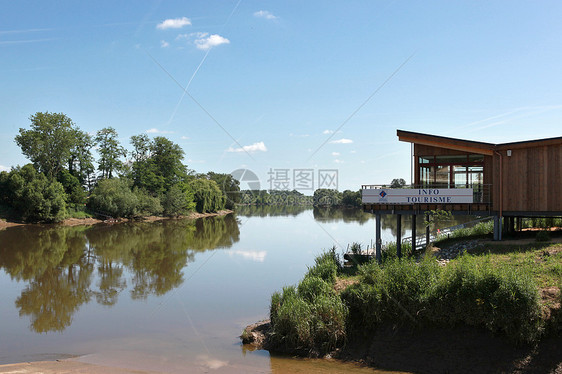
point(508, 181)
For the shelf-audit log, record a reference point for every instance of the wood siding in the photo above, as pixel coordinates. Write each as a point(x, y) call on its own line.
point(532, 179)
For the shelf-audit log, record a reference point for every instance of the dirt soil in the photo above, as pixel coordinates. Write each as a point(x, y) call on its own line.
point(449, 350)
point(64, 366)
point(93, 221)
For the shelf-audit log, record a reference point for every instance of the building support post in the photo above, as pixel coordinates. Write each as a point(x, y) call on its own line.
point(378, 240)
point(399, 235)
point(519, 224)
point(414, 238)
point(427, 219)
point(497, 228)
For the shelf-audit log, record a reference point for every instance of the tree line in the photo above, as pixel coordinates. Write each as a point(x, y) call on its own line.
point(322, 197)
point(62, 178)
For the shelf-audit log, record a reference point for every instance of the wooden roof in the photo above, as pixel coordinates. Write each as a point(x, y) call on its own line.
point(469, 145)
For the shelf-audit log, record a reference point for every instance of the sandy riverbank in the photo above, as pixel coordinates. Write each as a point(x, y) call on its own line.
point(93, 221)
point(64, 366)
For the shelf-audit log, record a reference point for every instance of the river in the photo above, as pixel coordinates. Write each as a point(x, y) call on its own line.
point(166, 295)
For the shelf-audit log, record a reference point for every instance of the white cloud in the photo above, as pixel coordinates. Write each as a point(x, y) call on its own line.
point(264, 14)
point(256, 147)
point(213, 40)
point(352, 151)
point(4, 168)
point(342, 141)
point(174, 23)
point(185, 138)
point(338, 161)
point(164, 44)
point(327, 132)
point(335, 153)
point(156, 131)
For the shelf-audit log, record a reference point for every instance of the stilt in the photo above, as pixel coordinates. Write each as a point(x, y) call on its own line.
point(399, 235)
point(497, 228)
point(427, 218)
point(519, 224)
point(378, 240)
point(414, 238)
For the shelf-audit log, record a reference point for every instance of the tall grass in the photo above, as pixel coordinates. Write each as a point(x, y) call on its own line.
point(310, 318)
point(469, 291)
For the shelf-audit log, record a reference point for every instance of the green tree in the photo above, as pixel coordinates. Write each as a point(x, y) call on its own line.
point(33, 197)
point(351, 198)
point(81, 160)
point(177, 201)
point(229, 186)
point(115, 198)
point(327, 197)
point(397, 183)
point(75, 193)
point(157, 164)
point(207, 195)
point(110, 152)
point(49, 142)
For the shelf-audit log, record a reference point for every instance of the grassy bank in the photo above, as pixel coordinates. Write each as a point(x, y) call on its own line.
point(512, 291)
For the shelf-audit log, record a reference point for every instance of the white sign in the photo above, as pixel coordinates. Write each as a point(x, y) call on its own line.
point(417, 196)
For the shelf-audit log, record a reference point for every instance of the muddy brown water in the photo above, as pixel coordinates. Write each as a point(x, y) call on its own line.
point(167, 295)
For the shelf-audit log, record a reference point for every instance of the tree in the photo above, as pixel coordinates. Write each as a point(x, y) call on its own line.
point(351, 198)
point(81, 160)
point(229, 186)
point(157, 164)
point(177, 201)
point(33, 197)
point(397, 183)
point(327, 197)
point(115, 198)
point(110, 152)
point(49, 142)
point(207, 195)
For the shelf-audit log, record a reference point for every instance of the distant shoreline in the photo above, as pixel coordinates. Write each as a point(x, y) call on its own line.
point(94, 221)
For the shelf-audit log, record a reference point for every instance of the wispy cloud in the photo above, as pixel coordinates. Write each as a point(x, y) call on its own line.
point(185, 138)
point(342, 141)
point(156, 131)
point(338, 161)
point(4, 168)
point(264, 14)
point(335, 153)
point(256, 147)
point(327, 132)
point(164, 44)
point(210, 41)
point(174, 23)
point(13, 42)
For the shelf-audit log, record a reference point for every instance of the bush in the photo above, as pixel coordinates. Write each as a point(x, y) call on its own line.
point(115, 198)
point(32, 196)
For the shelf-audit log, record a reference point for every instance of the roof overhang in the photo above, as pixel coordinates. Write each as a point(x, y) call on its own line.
point(447, 143)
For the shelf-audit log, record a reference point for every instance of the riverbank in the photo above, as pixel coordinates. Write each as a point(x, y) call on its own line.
point(497, 310)
point(463, 349)
point(93, 221)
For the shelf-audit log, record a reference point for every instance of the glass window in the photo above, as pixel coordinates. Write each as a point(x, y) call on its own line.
point(426, 159)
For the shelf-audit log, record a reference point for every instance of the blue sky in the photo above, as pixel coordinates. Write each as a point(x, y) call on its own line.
point(297, 84)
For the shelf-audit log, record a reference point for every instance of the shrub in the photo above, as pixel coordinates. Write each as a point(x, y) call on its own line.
point(115, 198)
point(32, 196)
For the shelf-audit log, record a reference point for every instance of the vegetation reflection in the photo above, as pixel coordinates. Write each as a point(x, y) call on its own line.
point(66, 267)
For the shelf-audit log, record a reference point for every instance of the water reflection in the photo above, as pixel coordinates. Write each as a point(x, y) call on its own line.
point(66, 267)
